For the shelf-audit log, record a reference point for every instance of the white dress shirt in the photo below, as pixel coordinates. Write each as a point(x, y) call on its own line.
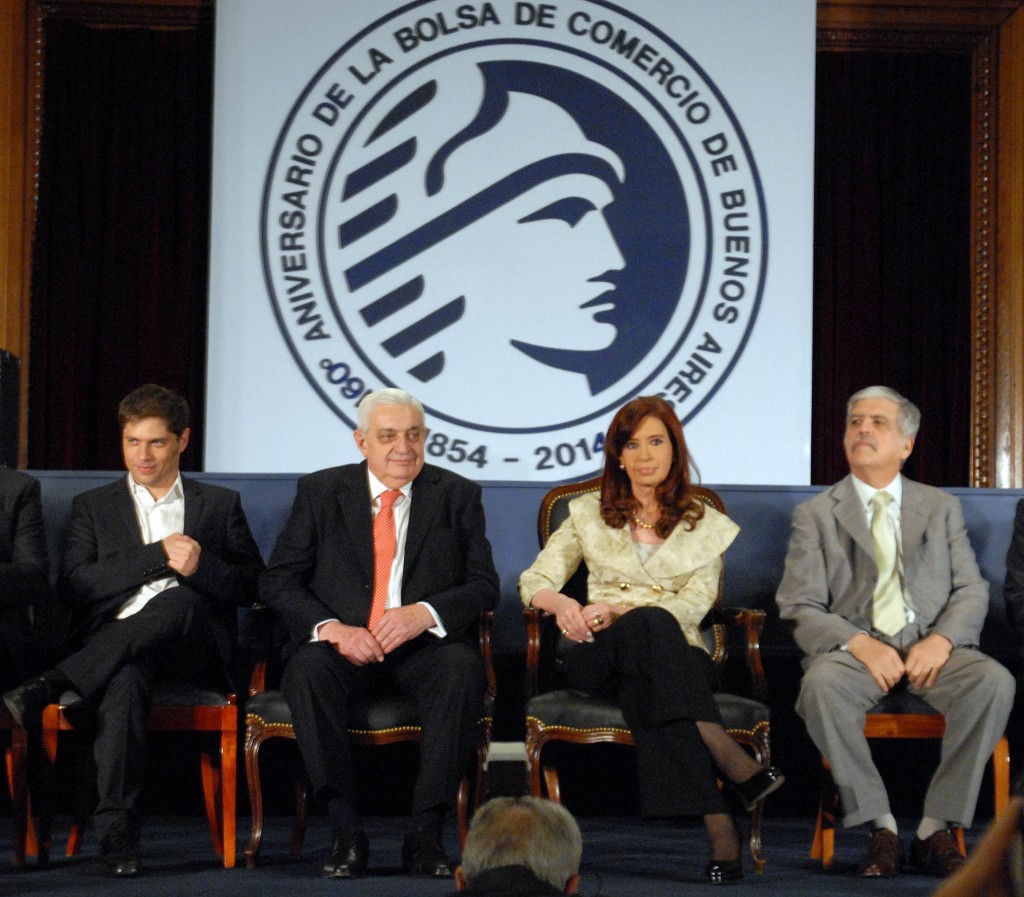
point(158, 518)
point(401, 510)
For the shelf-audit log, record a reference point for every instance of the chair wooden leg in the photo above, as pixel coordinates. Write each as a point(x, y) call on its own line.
point(19, 792)
point(252, 778)
point(462, 810)
point(17, 761)
point(44, 809)
point(551, 784)
point(219, 793)
point(958, 835)
point(211, 776)
point(533, 747)
point(229, 789)
point(755, 838)
point(823, 845)
point(1001, 775)
point(85, 796)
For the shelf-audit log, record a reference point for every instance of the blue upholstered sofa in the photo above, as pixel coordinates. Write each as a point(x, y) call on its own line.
point(753, 566)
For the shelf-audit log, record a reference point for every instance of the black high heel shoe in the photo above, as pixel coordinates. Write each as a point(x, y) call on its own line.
point(758, 786)
point(722, 872)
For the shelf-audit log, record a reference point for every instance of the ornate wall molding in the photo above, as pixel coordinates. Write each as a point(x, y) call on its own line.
point(993, 34)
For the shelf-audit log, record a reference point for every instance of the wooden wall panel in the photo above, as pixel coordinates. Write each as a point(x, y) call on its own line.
point(17, 184)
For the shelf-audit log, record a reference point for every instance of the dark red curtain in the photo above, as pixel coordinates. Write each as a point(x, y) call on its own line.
point(892, 294)
point(120, 255)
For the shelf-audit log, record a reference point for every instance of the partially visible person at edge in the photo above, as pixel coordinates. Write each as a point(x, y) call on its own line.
point(641, 645)
point(521, 847)
point(24, 571)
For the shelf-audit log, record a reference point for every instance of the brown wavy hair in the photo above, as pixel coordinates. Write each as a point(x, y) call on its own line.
point(675, 493)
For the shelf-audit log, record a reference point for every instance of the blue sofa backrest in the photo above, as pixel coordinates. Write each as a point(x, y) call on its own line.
point(753, 564)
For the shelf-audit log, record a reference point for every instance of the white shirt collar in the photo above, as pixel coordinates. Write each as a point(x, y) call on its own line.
point(140, 491)
point(377, 487)
point(866, 492)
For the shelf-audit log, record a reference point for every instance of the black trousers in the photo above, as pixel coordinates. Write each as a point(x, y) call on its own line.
point(664, 686)
point(446, 679)
point(171, 639)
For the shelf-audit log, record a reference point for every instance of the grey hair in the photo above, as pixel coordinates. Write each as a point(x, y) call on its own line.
point(387, 396)
point(908, 418)
point(524, 831)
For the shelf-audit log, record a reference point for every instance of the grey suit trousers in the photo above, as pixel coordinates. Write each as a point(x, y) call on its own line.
point(974, 693)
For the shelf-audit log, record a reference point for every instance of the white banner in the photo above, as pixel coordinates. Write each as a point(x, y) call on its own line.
point(523, 213)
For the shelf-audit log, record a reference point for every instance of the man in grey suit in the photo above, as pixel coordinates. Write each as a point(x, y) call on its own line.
point(884, 594)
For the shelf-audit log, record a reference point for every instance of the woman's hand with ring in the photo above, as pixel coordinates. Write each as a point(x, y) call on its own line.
point(601, 615)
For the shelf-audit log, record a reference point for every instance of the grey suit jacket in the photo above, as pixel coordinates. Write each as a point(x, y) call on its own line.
point(830, 571)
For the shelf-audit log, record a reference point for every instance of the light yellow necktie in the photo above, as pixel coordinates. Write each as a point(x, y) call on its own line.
point(887, 607)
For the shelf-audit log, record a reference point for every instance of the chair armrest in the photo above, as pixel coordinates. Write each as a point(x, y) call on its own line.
point(484, 641)
point(534, 621)
point(751, 623)
point(262, 623)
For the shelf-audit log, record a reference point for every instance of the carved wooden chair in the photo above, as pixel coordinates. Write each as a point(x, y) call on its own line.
point(556, 713)
point(900, 715)
point(175, 708)
point(380, 720)
point(15, 762)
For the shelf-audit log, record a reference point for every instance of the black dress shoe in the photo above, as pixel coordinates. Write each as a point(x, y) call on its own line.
point(349, 855)
point(422, 854)
point(721, 872)
point(26, 702)
point(119, 852)
point(758, 786)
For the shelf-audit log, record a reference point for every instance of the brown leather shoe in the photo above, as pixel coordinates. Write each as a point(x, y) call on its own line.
point(884, 857)
point(937, 854)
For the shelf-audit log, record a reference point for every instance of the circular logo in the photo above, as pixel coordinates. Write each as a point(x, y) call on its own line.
point(525, 215)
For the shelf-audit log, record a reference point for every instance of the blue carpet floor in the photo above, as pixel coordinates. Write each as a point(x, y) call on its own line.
point(621, 857)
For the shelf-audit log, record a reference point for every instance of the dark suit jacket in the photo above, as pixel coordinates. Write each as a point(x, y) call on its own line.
point(24, 572)
point(322, 565)
point(830, 574)
point(1013, 588)
point(509, 881)
point(105, 560)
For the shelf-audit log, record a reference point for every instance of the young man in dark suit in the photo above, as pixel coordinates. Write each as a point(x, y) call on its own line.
point(380, 577)
point(155, 566)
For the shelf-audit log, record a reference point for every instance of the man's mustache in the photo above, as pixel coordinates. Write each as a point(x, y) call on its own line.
point(865, 440)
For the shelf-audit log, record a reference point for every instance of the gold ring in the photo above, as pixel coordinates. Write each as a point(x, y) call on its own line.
point(598, 620)
point(565, 632)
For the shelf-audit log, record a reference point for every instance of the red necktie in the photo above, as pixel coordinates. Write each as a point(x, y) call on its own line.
point(383, 554)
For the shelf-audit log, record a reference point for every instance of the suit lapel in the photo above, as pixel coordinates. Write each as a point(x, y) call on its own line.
point(193, 506)
point(914, 513)
point(354, 507)
point(849, 513)
point(123, 515)
point(425, 498)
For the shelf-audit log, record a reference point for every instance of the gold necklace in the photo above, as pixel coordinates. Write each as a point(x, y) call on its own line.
point(643, 524)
